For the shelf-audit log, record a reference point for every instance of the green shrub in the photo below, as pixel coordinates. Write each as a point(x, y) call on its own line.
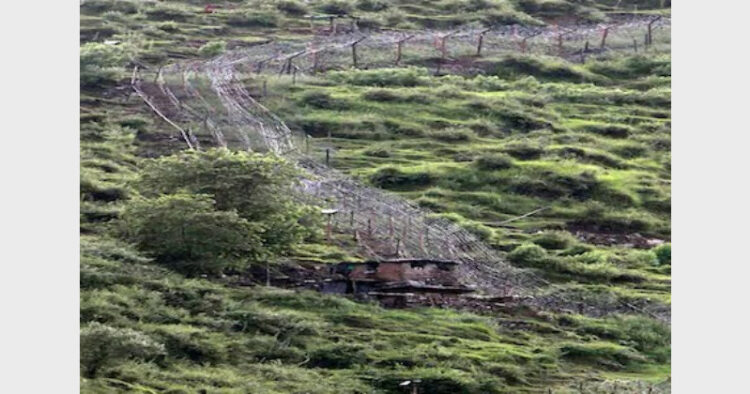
point(408, 77)
point(534, 186)
point(372, 5)
point(633, 67)
point(102, 6)
point(191, 343)
point(629, 150)
point(378, 152)
point(169, 26)
point(493, 162)
point(135, 122)
point(591, 156)
point(168, 12)
point(393, 178)
point(381, 95)
point(518, 119)
point(528, 255)
point(265, 18)
point(322, 99)
point(101, 64)
point(610, 130)
point(212, 49)
point(554, 240)
point(336, 7)
point(545, 68)
point(338, 356)
point(495, 17)
point(452, 135)
point(259, 188)
point(524, 151)
point(663, 253)
point(189, 234)
point(292, 7)
point(604, 354)
point(103, 346)
point(365, 23)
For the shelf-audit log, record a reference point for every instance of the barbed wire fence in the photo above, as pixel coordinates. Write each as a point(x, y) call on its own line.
point(209, 104)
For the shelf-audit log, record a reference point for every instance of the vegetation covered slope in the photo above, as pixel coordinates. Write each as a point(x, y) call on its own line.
point(590, 144)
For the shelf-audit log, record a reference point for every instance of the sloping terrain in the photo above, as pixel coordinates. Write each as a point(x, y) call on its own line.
point(564, 167)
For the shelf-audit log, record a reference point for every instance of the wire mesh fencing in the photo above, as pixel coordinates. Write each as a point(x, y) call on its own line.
point(209, 104)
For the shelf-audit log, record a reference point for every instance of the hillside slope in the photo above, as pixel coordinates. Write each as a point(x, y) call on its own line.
point(588, 144)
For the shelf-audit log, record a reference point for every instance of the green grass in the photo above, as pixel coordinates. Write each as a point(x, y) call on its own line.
point(589, 142)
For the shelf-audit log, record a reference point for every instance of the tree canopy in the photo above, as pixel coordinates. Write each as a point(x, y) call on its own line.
point(206, 211)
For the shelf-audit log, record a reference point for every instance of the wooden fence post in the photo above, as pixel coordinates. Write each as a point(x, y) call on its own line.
point(481, 41)
point(328, 157)
point(605, 32)
point(354, 51)
point(649, 35)
point(399, 46)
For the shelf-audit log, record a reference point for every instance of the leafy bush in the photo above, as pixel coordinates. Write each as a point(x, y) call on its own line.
point(134, 122)
point(524, 151)
point(592, 156)
point(368, 23)
point(629, 150)
point(529, 255)
point(409, 77)
point(211, 49)
point(633, 67)
point(664, 254)
point(548, 69)
point(393, 178)
point(381, 95)
point(336, 7)
point(517, 119)
point(168, 12)
point(338, 356)
point(493, 162)
point(192, 343)
point(322, 99)
point(189, 234)
point(265, 18)
point(103, 346)
point(610, 130)
point(372, 5)
point(254, 187)
point(292, 7)
point(169, 26)
point(452, 135)
point(601, 353)
point(101, 6)
point(554, 240)
point(101, 64)
point(378, 152)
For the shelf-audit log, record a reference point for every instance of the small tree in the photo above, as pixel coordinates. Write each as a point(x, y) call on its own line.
point(101, 64)
point(249, 191)
point(188, 233)
point(213, 48)
point(103, 346)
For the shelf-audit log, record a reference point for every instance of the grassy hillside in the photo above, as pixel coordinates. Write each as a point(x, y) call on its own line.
point(588, 144)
